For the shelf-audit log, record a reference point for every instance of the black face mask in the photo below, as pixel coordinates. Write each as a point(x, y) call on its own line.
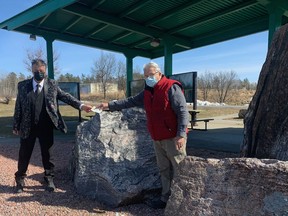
point(39, 76)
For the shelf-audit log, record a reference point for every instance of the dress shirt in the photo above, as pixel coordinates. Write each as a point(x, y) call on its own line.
point(40, 85)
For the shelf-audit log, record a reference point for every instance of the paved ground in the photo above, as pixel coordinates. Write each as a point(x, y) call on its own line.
point(225, 133)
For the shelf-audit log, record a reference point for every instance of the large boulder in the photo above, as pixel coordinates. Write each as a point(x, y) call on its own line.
point(266, 122)
point(113, 160)
point(238, 186)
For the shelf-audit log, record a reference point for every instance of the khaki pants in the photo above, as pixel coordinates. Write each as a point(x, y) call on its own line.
point(168, 158)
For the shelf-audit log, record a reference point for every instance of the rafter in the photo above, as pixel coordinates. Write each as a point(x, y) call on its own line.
point(119, 36)
point(230, 32)
point(134, 7)
point(97, 4)
point(83, 41)
point(213, 16)
point(171, 12)
point(124, 24)
point(73, 22)
point(137, 43)
point(42, 9)
point(98, 28)
point(43, 20)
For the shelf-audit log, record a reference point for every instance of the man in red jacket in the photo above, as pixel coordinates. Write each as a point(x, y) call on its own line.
point(167, 120)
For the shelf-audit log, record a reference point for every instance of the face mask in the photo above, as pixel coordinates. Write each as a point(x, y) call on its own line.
point(39, 76)
point(151, 81)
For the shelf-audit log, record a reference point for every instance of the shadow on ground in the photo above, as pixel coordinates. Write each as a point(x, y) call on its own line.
point(211, 141)
point(220, 139)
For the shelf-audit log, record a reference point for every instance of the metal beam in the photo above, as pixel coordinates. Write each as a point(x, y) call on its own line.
point(119, 36)
point(172, 12)
point(137, 43)
point(212, 16)
point(276, 9)
point(50, 63)
point(71, 23)
point(133, 8)
point(124, 24)
point(281, 4)
point(97, 4)
point(35, 12)
point(84, 41)
point(98, 28)
point(168, 58)
point(224, 34)
point(43, 19)
point(129, 73)
point(231, 32)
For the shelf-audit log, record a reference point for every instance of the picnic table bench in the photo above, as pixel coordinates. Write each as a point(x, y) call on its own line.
point(194, 119)
point(198, 120)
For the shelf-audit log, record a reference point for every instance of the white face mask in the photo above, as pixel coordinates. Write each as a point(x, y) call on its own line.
point(151, 81)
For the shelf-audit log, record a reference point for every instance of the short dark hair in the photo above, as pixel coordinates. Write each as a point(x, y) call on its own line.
point(39, 62)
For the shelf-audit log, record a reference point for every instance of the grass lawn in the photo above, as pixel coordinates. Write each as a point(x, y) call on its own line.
point(208, 112)
point(7, 112)
point(71, 114)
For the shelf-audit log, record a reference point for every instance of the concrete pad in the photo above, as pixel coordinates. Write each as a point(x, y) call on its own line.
point(225, 133)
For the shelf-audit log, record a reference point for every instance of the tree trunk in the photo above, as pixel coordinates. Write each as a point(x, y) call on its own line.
point(266, 122)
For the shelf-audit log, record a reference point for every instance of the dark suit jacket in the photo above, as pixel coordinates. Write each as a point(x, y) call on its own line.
point(23, 112)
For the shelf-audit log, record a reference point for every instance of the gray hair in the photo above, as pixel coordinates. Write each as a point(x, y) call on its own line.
point(152, 64)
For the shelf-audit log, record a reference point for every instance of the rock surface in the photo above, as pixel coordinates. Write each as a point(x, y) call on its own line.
point(266, 122)
point(235, 186)
point(113, 159)
point(242, 113)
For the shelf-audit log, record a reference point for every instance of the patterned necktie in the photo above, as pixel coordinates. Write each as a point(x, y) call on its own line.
point(38, 88)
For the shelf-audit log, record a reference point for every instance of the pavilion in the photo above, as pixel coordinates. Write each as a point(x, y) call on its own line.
point(147, 28)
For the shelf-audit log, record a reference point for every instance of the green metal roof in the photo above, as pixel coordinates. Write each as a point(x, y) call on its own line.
point(127, 26)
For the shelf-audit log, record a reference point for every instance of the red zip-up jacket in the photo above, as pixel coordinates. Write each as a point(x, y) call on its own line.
point(161, 119)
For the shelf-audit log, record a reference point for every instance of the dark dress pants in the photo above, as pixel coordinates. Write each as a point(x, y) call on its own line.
point(44, 133)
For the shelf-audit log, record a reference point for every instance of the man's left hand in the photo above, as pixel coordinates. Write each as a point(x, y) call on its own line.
point(179, 142)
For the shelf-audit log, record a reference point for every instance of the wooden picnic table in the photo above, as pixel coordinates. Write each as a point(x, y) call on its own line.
point(194, 119)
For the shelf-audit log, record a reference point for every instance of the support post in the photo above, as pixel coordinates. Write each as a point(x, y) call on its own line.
point(168, 57)
point(50, 63)
point(276, 12)
point(129, 73)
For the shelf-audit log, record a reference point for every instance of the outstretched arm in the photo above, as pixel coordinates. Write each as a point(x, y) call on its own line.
point(72, 101)
point(137, 100)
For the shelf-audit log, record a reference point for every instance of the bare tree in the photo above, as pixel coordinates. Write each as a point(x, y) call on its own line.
point(39, 53)
point(8, 85)
point(138, 73)
point(223, 82)
point(205, 84)
point(21, 77)
point(104, 69)
point(68, 78)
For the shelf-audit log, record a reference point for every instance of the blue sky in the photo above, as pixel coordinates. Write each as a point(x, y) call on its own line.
point(244, 55)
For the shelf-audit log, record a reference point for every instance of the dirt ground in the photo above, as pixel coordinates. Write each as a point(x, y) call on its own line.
point(65, 201)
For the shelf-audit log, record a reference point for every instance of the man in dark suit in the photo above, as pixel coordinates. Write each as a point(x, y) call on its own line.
point(36, 115)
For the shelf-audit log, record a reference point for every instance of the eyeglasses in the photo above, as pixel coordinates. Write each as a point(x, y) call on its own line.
point(151, 75)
